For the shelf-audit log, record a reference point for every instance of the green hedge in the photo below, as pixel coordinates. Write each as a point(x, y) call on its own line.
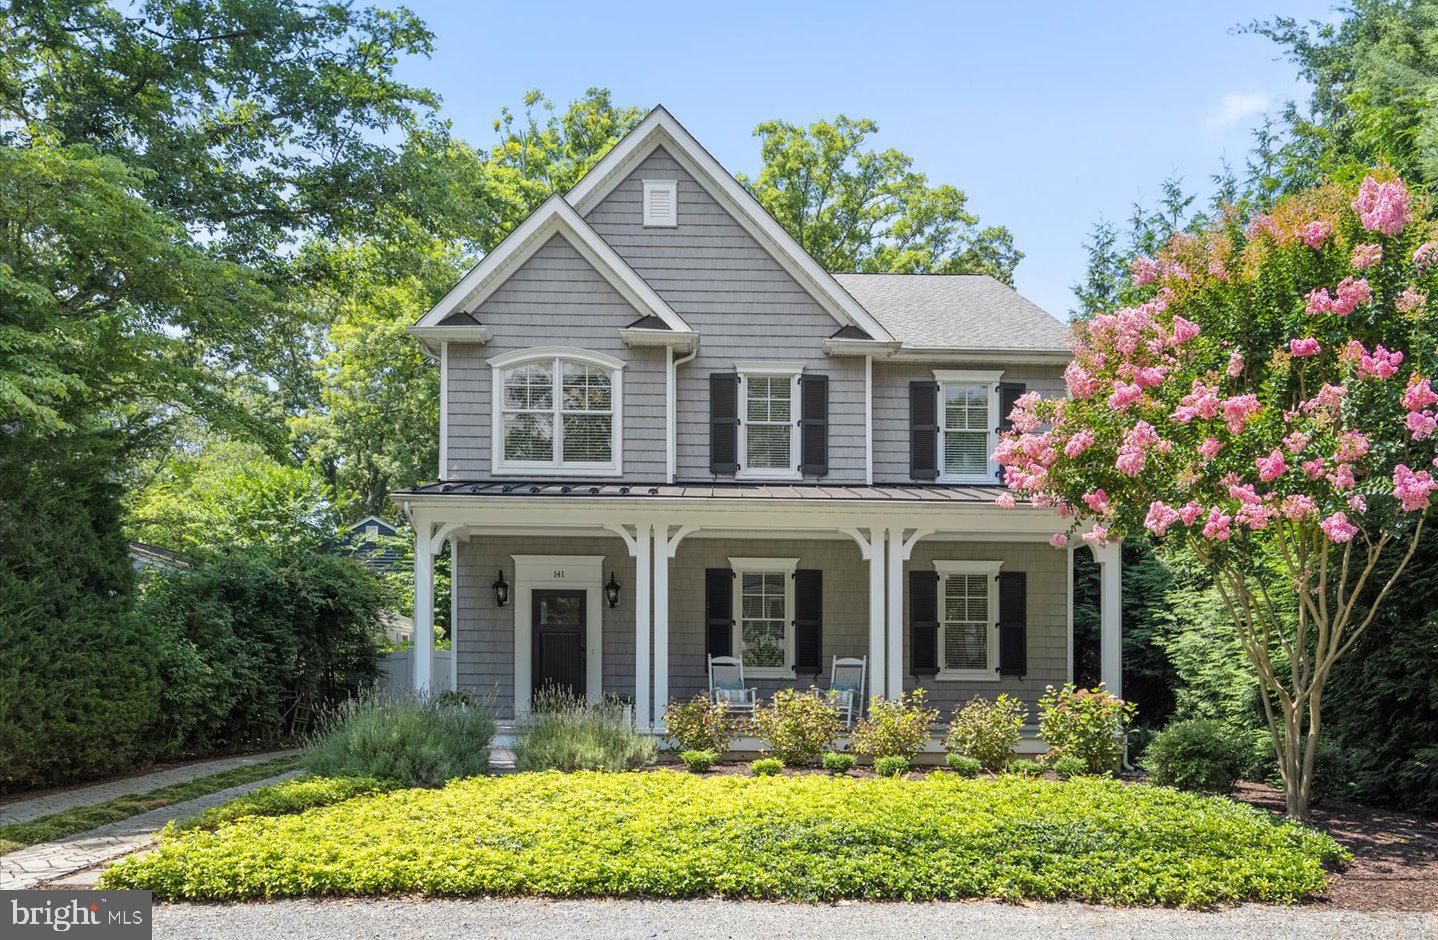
point(813, 838)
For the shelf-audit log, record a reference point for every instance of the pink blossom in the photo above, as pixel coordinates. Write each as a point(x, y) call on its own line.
point(1160, 517)
point(1314, 468)
point(1381, 364)
point(1317, 301)
point(1245, 493)
point(1189, 512)
point(1382, 207)
point(1419, 393)
point(1412, 489)
point(1130, 460)
point(1341, 477)
point(1098, 535)
point(1124, 396)
point(1209, 448)
point(1329, 398)
point(1366, 256)
point(1079, 443)
point(1338, 528)
point(1216, 526)
point(1349, 295)
point(1295, 442)
point(1239, 410)
point(1421, 424)
point(1005, 500)
point(1424, 254)
point(1271, 467)
point(1097, 502)
point(1201, 402)
point(1081, 384)
point(1357, 503)
point(1254, 515)
point(1059, 540)
point(1143, 270)
point(1298, 506)
point(1235, 364)
point(1149, 376)
point(1351, 446)
point(1307, 346)
point(1184, 330)
point(1314, 234)
point(1411, 299)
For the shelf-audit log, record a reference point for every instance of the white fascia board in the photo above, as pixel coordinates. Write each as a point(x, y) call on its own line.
point(679, 340)
point(660, 128)
point(975, 356)
point(555, 216)
point(432, 337)
point(878, 349)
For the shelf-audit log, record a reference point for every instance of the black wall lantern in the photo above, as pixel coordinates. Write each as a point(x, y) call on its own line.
point(611, 591)
point(501, 589)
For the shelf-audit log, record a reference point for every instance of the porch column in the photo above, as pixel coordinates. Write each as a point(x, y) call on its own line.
point(877, 675)
point(894, 656)
point(423, 608)
point(1110, 561)
point(661, 621)
point(643, 553)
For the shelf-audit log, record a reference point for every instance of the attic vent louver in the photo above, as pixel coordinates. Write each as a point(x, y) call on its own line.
point(661, 203)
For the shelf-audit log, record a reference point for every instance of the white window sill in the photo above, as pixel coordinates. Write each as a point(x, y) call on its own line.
point(967, 675)
point(572, 473)
point(970, 478)
point(770, 475)
point(768, 673)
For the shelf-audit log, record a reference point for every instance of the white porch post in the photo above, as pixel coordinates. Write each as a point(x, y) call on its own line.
point(643, 554)
point(894, 657)
point(877, 675)
point(661, 621)
point(423, 608)
point(1110, 560)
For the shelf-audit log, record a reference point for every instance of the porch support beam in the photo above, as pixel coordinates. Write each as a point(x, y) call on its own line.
point(643, 575)
point(662, 554)
point(900, 549)
point(423, 607)
point(1110, 561)
point(871, 549)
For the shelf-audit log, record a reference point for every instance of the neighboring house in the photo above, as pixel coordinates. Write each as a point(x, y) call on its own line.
point(368, 542)
point(649, 384)
point(144, 557)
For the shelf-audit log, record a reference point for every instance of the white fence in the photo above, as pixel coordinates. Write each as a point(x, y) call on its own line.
point(396, 672)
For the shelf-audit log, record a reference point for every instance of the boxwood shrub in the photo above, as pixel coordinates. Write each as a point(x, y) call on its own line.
point(810, 837)
point(1196, 755)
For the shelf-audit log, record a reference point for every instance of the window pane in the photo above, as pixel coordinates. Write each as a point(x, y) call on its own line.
point(588, 437)
point(586, 388)
point(966, 408)
point(966, 622)
point(966, 452)
point(763, 618)
point(768, 446)
point(529, 386)
point(964, 646)
point(764, 643)
point(528, 436)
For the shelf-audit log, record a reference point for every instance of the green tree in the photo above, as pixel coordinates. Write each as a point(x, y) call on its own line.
point(855, 208)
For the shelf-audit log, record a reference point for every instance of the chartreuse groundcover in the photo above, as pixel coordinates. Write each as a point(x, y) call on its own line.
point(809, 838)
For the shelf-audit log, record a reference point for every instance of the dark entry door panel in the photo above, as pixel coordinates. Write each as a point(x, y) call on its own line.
point(558, 619)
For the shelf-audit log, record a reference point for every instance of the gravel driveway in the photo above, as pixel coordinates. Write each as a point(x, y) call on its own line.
point(357, 920)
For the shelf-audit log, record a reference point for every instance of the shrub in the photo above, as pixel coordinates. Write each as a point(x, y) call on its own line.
point(895, 727)
point(1087, 723)
point(1027, 767)
point(1067, 765)
point(797, 726)
point(283, 799)
point(939, 837)
point(698, 762)
point(838, 764)
point(964, 765)
point(699, 724)
point(1195, 755)
point(766, 767)
point(987, 731)
point(564, 733)
point(414, 742)
point(892, 765)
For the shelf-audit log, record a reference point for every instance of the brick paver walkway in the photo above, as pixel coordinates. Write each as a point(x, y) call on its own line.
point(54, 860)
point(20, 811)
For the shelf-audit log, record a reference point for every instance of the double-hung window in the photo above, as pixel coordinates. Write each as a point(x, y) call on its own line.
point(968, 620)
point(764, 614)
point(968, 425)
point(557, 410)
point(769, 425)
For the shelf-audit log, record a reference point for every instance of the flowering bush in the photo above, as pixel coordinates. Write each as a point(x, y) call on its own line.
point(987, 731)
point(699, 724)
point(1266, 398)
point(797, 726)
point(1085, 723)
point(895, 727)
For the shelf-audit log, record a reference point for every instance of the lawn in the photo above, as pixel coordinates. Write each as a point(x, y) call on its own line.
point(668, 834)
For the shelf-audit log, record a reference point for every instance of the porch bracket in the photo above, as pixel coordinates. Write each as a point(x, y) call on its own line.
point(913, 540)
point(436, 544)
point(866, 547)
point(629, 541)
point(671, 542)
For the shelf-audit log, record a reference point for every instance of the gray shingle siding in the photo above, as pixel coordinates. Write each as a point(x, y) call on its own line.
point(556, 298)
point(742, 303)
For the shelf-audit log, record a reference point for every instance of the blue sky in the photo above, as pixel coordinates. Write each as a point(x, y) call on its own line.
point(1049, 115)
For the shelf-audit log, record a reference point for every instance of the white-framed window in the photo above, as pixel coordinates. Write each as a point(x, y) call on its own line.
point(968, 425)
point(661, 203)
point(558, 410)
point(764, 615)
point(769, 420)
point(968, 620)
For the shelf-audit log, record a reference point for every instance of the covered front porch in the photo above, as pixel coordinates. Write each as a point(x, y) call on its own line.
point(611, 590)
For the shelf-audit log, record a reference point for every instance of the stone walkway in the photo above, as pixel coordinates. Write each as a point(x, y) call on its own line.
point(20, 811)
point(53, 861)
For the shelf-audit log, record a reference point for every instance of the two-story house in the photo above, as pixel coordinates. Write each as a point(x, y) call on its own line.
point(667, 433)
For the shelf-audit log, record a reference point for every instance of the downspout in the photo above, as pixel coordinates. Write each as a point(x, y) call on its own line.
point(671, 459)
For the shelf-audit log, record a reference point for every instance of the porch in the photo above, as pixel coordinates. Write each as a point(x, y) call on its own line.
point(611, 589)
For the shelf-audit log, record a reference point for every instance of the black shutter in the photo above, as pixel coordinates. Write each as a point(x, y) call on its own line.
point(724, 422)
point(719, 611)
point(1009, 393)
point(814, 424)
point(808, 621)
point(924, 430)
point(1013, 623)
point(924, 623)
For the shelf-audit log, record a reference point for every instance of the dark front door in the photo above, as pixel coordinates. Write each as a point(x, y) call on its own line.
point(558, 623)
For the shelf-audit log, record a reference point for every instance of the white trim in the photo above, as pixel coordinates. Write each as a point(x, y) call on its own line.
point(769, 370)
point(660, 128)
point(648, 337)
point(559, 572)
point(454, 613)
point(767, 367)
point(444, 411)
point(988, 379)
point(879, 349)
point(556, 355)
point(555, 216)
point(757, 565)
point(1069, 625)
point(650, 219)
point(990, 570)
point(868, 420)
point(964, 355)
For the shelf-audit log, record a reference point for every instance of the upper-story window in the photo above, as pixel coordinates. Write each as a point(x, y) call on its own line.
point(968, 425)
point(769, 429)
point(557, 410)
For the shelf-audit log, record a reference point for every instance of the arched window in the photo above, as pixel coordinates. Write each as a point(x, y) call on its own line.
point(557, 409)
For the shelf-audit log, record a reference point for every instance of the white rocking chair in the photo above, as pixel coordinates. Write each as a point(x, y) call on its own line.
point(727, 687)
point(846, 687)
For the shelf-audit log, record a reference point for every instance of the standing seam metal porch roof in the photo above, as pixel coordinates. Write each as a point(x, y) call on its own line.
point(897, 492)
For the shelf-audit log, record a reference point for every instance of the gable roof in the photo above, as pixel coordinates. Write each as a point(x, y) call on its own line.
point(957, 311)
point(660, 129)
point(554, 217)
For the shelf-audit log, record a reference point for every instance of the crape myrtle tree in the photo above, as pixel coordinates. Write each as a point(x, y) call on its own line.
point(1268, 405)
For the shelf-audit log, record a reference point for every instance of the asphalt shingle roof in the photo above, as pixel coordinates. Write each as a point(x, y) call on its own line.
point(956, 310)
